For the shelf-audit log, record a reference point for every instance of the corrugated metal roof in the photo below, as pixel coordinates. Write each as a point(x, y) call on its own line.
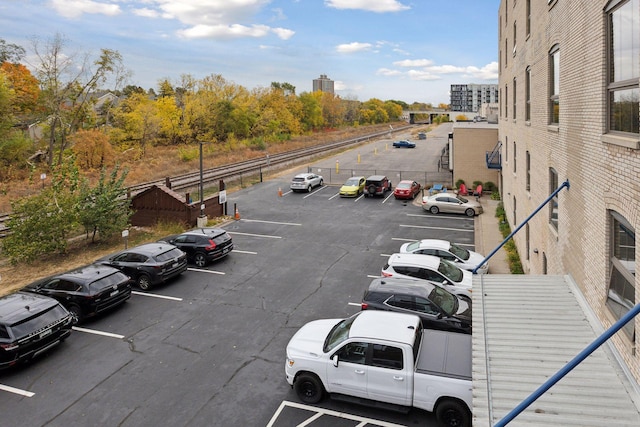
point(525, 329)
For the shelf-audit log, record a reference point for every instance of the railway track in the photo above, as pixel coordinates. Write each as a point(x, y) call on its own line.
point(211, 175)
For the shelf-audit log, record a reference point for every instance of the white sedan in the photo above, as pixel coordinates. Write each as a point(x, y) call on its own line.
point(463, 258)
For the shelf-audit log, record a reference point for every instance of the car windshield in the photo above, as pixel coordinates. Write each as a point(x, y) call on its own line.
point(462, 199)
point(298, 179)
point(338, 334)
point(107, 281)
point(446, 300)
point(413, 246)
point(460, 252)
point(450, 271)
point(352, 181)
point(170, 254)
point(38, 322)
point(404, 185)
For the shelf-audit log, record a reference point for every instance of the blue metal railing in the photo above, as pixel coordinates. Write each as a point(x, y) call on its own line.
point(548, 199)
point(494, 158)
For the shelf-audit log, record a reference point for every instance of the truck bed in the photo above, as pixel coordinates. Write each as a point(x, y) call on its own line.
point(454, 361)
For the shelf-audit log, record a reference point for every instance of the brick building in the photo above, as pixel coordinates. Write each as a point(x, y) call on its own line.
point(568, 110)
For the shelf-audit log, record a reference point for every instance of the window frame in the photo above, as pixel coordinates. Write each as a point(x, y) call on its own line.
point(527, 94)
point(554, 85)
point(554, 203)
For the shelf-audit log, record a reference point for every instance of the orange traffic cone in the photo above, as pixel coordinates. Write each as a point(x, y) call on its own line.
point(237, 216)
point(279, 191)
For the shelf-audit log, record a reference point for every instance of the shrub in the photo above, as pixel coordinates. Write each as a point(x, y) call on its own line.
point(489, 186)
point(459, 182)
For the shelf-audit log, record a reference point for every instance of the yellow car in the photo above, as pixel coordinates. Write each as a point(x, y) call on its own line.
point(353, 187)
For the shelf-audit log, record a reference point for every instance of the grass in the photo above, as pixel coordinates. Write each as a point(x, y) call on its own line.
point(513, 258)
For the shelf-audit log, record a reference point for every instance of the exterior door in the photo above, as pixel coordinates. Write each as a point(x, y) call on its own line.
point(390, 377)
point(350, 376)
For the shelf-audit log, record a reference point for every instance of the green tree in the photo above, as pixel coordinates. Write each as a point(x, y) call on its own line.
point(10, 52)
point(311, 117)
point(104, 209)
point(40, 224)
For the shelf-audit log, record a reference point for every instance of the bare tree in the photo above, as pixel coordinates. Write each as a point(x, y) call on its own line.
point(67, 82)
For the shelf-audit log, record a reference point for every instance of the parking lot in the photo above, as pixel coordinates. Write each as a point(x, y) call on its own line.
point(208, 348)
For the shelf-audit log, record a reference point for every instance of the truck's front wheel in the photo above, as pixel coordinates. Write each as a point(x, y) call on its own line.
point(309, 388)
point(451, 413)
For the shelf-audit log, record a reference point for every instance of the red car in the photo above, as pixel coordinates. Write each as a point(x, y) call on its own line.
point(406, 190)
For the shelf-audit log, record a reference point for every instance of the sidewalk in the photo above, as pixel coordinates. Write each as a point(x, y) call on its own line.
point(488, 237)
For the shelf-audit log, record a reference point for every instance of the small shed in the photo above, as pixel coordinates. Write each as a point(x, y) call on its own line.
point(160, 203)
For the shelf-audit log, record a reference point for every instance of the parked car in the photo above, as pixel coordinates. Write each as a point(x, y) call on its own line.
point(437, 307)
point(451, 203)
point(376, 185)
point(406, 189)
point(377, 356)
point(422, 135)
point(149, 264)
point(463, 258)
point(404, 144)
point(431, 268)
point(30, 324)
point(353, 187)
point(202, 245)
point(86, 291)
point(306, 182)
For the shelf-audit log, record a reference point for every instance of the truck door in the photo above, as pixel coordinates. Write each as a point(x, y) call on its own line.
point(390, 376)
point(350, 376)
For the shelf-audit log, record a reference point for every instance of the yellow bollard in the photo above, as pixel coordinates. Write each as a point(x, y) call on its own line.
point(358, 158)
point(375, 151)
point(337, 166)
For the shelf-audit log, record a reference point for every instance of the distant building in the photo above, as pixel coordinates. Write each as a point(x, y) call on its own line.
point(323, 83)
point(470, 97)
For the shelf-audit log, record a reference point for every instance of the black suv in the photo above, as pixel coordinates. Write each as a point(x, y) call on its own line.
point(376, 185)
point(86, 291)
point(30, 324)
point(149, 264)
point(437, 307)
point(202, 245)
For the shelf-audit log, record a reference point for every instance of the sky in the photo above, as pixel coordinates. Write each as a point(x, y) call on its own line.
point(406, 50)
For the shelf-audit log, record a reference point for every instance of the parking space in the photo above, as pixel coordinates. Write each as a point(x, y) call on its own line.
point(208, 347)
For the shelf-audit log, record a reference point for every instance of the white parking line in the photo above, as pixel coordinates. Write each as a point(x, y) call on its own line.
point(314, 192)
point(93, 331)
point(199, 270)
point(458, 217)
point(388, 197)
point(16, 390)
point(146, 294)
point(434, 228)
point(335, 195)
point(370, 276)
point(236, 251)
point(268, 222)
point(254, 235)
point(321, 411)
point(357, 304)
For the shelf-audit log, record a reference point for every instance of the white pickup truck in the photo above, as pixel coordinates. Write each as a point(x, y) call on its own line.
point(384, 359)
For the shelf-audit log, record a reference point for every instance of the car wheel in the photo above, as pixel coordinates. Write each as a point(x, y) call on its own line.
point(144, 282)
point(434, 210)
point(452, 414)
point(321, 183)
point(309, 388)
point(470, 212)
point(309, 189)
point(372, 190)
point(200, 259)
point(76, 313)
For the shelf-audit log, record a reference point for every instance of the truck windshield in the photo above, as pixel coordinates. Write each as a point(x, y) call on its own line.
point(338, 333)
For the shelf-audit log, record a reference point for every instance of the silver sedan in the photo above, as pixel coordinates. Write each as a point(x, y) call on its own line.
point(449, 202)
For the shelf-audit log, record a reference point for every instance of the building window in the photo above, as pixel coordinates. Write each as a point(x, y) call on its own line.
point(514, 98)
point(500, 100)
point(506, 52)
point(553, 204)
point(514, 38)
point(528, 166)
point(624, 67)
point(527, 94)
point(527, 241)
point(515, 217)
point(554, 85)
point(506, 101)
point(506, 149)
point(621, 294)
point(515, 159)
point(528, 12)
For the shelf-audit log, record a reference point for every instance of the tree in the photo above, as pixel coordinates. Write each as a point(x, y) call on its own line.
point(92, 149)
point(25, 89)
point(66, 85)
point(40, 224)
point(311, 110)
point(10, 52)
point(104, 209)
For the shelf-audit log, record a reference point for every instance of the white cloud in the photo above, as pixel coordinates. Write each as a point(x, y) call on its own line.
point(224, 31)
point(414, 63)
point(283, 33)
point(422, 75)
point(368, 5)
point(146, 13)
point(76, 8)
point(353, 47)
point(388, 72)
